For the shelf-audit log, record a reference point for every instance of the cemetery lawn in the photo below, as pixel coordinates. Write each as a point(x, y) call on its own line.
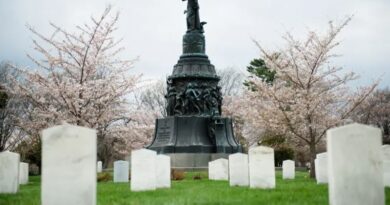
point(300, 191)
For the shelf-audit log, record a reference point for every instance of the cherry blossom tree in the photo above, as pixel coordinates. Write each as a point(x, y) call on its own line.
point(308, 96)
point(80, 79)
point(10, 134)
point(231, 81)
point(376, 111)
point(151, 97)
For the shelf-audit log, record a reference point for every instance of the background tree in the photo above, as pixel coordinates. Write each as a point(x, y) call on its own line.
point(80, 80)
point(5, 130)
point(283, 149)
point(231, 84)
point(10, 108)
point(152, 97)
point(231, 81)
point(308, 95)
point(376, 111)
point(258, 68)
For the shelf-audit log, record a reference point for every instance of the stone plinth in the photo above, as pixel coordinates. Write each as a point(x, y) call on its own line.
point(68, 166)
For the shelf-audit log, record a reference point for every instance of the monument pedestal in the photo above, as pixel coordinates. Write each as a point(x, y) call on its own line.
point(193, 141)
point(194, 161)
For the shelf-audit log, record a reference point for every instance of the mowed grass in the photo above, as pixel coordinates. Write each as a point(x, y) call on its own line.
point(301, 190)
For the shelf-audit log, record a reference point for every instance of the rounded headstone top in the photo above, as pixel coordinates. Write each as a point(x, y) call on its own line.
point(322, 155)
point(220, 160)
point(121, 161)
point(9, 153)
point(261, 150)
point(144, 151)
point(353, 128)
point(162, 156)
point(73, 130)
point(289, 160)
point(237, 155)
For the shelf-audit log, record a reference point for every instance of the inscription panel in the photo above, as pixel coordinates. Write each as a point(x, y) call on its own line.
point(165, 131)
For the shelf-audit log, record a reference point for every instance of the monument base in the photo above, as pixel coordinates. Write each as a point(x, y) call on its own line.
point(194, 161)
point(194, 134)
point(193, 141)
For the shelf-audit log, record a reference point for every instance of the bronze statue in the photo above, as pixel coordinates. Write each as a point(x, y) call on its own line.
point(191, 101)
point(193, 20)
point(171, 99)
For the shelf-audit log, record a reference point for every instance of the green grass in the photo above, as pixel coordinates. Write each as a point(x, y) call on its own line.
point(300, 191)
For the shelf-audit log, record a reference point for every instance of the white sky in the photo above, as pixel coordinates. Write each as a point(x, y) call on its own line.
point(153, 29)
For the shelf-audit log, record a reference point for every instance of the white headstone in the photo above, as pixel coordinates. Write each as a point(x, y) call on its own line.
point(386, 165)
point(355, 165)
point(219, 169)
point(163, 172)
point(99, 167)
point(68, 166)
point(143, 170)
point(9, 172)
point(238, 170)
point(121, 171)
point(322, 168)
point(23, 173)
point(261, 168)
point(288, 169)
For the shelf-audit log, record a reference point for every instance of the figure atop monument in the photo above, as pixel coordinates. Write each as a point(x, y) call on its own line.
point(194, 128)
point(193, 19)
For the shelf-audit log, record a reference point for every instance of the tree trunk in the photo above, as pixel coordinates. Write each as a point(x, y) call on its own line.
point(313, 153)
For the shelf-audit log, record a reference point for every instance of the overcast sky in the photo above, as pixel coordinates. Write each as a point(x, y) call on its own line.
point(153, 29)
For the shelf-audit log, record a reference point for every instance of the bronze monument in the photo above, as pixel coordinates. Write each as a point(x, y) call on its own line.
point(194, 132)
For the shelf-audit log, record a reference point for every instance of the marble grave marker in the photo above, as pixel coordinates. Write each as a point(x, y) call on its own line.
point(261, 168)
point(355, 165)
point(121, 171)
point(386, 165)
point(9, 172)
point(23, 173)
point(143, 170)
point(238, 170)
point(288, 167)
point(99, 167)
point(163, 171)
point(219, 169)
point(322, 168)
point(68, 166)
